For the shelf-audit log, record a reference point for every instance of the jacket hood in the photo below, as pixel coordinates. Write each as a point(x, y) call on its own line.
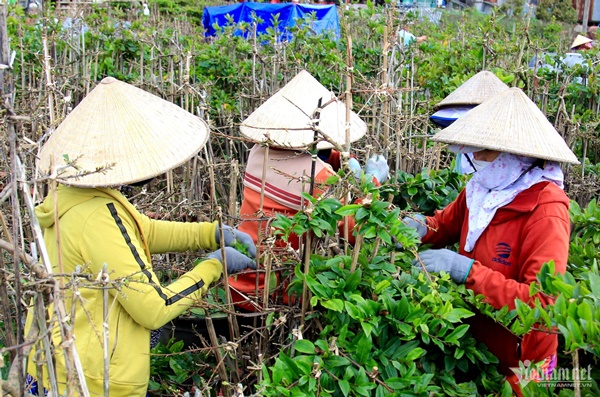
point(528, 200)
point(540, 193)
point(68, 197)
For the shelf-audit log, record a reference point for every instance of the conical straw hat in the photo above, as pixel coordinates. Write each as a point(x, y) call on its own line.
point(474, 91)
point(136, 134)
point(579, 40)
point(286, 118)
point(509, 122)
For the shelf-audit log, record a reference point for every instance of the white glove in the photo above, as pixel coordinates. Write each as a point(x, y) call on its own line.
point(378, 168)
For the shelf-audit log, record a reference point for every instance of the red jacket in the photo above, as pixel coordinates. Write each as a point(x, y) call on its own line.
point(523, 235)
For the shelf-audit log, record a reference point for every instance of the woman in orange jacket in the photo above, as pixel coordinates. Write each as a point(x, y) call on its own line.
point(511, 218)
point(280, 166)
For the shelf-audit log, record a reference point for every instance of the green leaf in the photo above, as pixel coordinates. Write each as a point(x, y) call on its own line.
point(424, 380)
point(353, 281)
point(332, 180)
point(381, 286)
point(449, 362)
point(317, 288)
point(398, 383)
point(348, 210)
point(384, 236)
point(361, 214)
point(367, 328)
point(403, 351)
point(336, 305)
point(283, 391)
point(344, 386)
point(458, 333)
point(563, 287)
point(401, 309)
point(336, 361)
point(292, 368)
point(304, 346)
point(575, 331)
point(363, 349)
point(584, 311)
point(369, 231)
point(414, 354)
point(353, 311)
point(594, 282)
point(457, 314)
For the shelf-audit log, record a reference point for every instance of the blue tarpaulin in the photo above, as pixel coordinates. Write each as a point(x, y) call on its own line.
point(323, 18)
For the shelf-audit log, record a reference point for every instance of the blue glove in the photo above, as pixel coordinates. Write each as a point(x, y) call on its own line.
point(378, 167)
point(232, 235)
point(236, 261)
point(456, 265)
point(418, 222)
point(355, 167)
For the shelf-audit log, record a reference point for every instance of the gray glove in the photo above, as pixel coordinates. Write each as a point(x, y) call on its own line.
point(231, 235)
point(236, 261)
point(418, 222)
point(355, 167)
point(378, 167)
point(456, 265)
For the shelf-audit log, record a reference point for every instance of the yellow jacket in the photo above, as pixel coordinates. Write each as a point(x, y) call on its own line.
point(99, 226)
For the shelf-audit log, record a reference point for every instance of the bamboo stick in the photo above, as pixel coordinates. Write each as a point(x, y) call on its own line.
point(349, 69)
point(71, 355)
point(16, 217)
point(225, 386)
point(105, 328)
point(304, 301)
point(233, 326)
point(233, 178)
point(49, 82)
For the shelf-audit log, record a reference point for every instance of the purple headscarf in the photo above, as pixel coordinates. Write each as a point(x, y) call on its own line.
point(498, 184)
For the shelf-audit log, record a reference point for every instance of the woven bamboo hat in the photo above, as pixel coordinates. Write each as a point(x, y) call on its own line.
point(137, 135)
point(474, 91)
point(286, 118)
point(509, 122)
point(579, 40)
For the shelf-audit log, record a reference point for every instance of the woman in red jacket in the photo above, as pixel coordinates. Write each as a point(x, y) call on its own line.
point(511, 218)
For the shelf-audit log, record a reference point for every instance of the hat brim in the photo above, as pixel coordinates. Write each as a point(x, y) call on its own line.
point(463, 149)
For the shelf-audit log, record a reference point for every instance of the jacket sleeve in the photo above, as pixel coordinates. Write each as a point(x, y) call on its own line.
point(445, 226)
point(166, 236)
point(545, 238)
point(110, 238)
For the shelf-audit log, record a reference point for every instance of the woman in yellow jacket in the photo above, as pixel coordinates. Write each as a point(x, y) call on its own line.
point(90, 226)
